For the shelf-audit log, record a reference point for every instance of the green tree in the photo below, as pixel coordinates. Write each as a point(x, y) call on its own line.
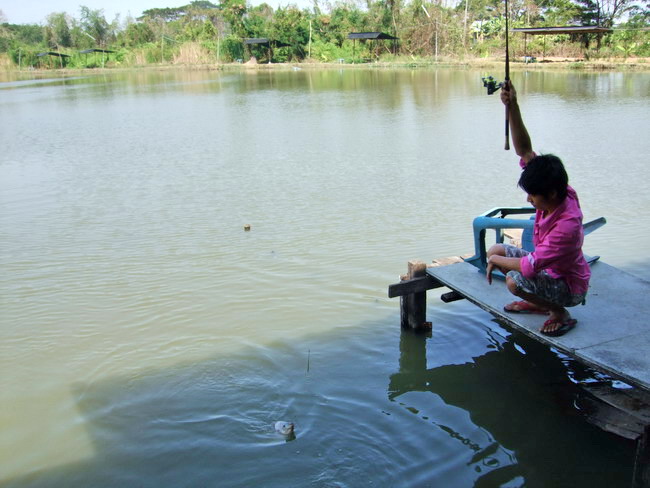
point(164, 14)
point(632, 39)
point(57, 30)
point(344, 19)
point(291, 26)
point(208, 31)
point(234, 12)
point(94, 24)
point(559, 12)
point(258, 21)
point(604, 12)
point(202, 5)
point(138, 33)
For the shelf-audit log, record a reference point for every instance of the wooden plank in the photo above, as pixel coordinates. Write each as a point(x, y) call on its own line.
point(452, 296)
point(415, 285)
point(449, 260)
point(514, 235)
point(611, 335)
point(422, 283)
point(632, 401)
point(610, 419)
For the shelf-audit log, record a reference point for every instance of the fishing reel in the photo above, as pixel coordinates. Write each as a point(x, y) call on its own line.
point(491, 84)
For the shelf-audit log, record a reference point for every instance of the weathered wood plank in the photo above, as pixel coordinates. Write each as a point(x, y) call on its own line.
point(422, 283)
point(611, 335)
point(452, 296)
point(611, 419)
point(641, 478)
point(416, 285)
point(449, 260)
point(632, 401)
point(414, 306)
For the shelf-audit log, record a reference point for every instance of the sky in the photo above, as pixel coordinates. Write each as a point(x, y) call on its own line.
point(36, 11)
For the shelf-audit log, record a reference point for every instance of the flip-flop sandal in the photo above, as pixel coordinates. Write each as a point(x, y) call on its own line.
point(524, 307)
point(561, 330)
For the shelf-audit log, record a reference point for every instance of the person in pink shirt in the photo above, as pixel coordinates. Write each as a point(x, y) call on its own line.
point(555, 275)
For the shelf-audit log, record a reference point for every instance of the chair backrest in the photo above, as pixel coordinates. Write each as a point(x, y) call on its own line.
point(527, 239)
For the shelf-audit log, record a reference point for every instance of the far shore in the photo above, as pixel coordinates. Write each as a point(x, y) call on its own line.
point(548, 63)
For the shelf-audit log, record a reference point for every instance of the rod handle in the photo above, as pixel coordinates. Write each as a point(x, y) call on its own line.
point(507, 145)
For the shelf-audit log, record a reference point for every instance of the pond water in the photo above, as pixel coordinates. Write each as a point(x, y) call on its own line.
point(147, 339)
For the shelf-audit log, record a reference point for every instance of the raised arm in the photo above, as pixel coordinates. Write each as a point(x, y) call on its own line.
point(518, 132)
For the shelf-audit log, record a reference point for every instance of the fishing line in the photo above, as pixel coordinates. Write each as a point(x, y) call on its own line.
point(493, 85)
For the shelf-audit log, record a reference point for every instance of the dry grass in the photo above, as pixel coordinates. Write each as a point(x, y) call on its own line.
point(5, 62)
point(193, 53)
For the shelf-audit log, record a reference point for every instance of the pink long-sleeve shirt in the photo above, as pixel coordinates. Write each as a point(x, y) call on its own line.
point(558, 239)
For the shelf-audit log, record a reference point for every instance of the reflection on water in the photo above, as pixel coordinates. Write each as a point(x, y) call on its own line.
point(516, 386)
point(143, 329)
point(376, 406)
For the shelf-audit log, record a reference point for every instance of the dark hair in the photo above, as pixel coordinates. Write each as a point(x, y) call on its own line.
point(544, 175)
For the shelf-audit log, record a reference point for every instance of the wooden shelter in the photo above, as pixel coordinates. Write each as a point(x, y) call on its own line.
point(61, 56)
point(572, 30)
point(370, 36)
point(105, 53)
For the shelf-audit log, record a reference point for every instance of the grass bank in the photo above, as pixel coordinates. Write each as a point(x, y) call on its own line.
point(492, 63)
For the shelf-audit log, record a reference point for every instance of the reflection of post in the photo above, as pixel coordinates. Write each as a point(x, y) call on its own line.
point(414, 306)
point(309, 55)
point(412, 352)
point(642, 462)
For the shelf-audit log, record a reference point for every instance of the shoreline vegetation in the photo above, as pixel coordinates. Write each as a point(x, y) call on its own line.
point(368, 33)
point(493, 64)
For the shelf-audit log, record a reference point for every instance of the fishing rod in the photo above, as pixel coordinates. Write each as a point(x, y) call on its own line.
point(493, 85)
point(507, 79)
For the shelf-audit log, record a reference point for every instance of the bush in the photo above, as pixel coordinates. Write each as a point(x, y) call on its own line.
point(326, 52)
point(232, 48)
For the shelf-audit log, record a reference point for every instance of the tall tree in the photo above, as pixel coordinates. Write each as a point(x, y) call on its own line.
point(234, 12)
point(57, 30)
point(291, 26)
point(138, 33)
point(604, 12)
point(164, 14)
point(94, 24)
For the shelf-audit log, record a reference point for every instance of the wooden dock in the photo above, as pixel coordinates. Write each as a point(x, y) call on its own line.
point(612, 335)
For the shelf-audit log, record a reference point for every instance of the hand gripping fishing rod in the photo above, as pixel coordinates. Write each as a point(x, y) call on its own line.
point(493, 85)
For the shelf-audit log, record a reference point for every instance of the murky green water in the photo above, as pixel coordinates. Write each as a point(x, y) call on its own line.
point(148, 340)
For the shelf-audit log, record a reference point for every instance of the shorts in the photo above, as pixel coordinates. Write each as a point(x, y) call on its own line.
point(543, 285)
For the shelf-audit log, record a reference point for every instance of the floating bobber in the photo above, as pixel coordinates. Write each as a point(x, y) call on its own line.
point(284, 428)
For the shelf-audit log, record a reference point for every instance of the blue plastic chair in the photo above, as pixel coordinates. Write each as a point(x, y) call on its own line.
point(497, 220)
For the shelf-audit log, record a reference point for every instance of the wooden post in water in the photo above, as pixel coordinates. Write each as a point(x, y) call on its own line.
point(641, 477)
point(413, 310)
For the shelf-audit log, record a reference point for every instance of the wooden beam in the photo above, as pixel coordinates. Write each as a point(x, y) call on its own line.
point(415, 285)
point(632, 401)
point(422, 283)
point(641, 478)
point(610, 419)
point(452, 296)
point(413, 308)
